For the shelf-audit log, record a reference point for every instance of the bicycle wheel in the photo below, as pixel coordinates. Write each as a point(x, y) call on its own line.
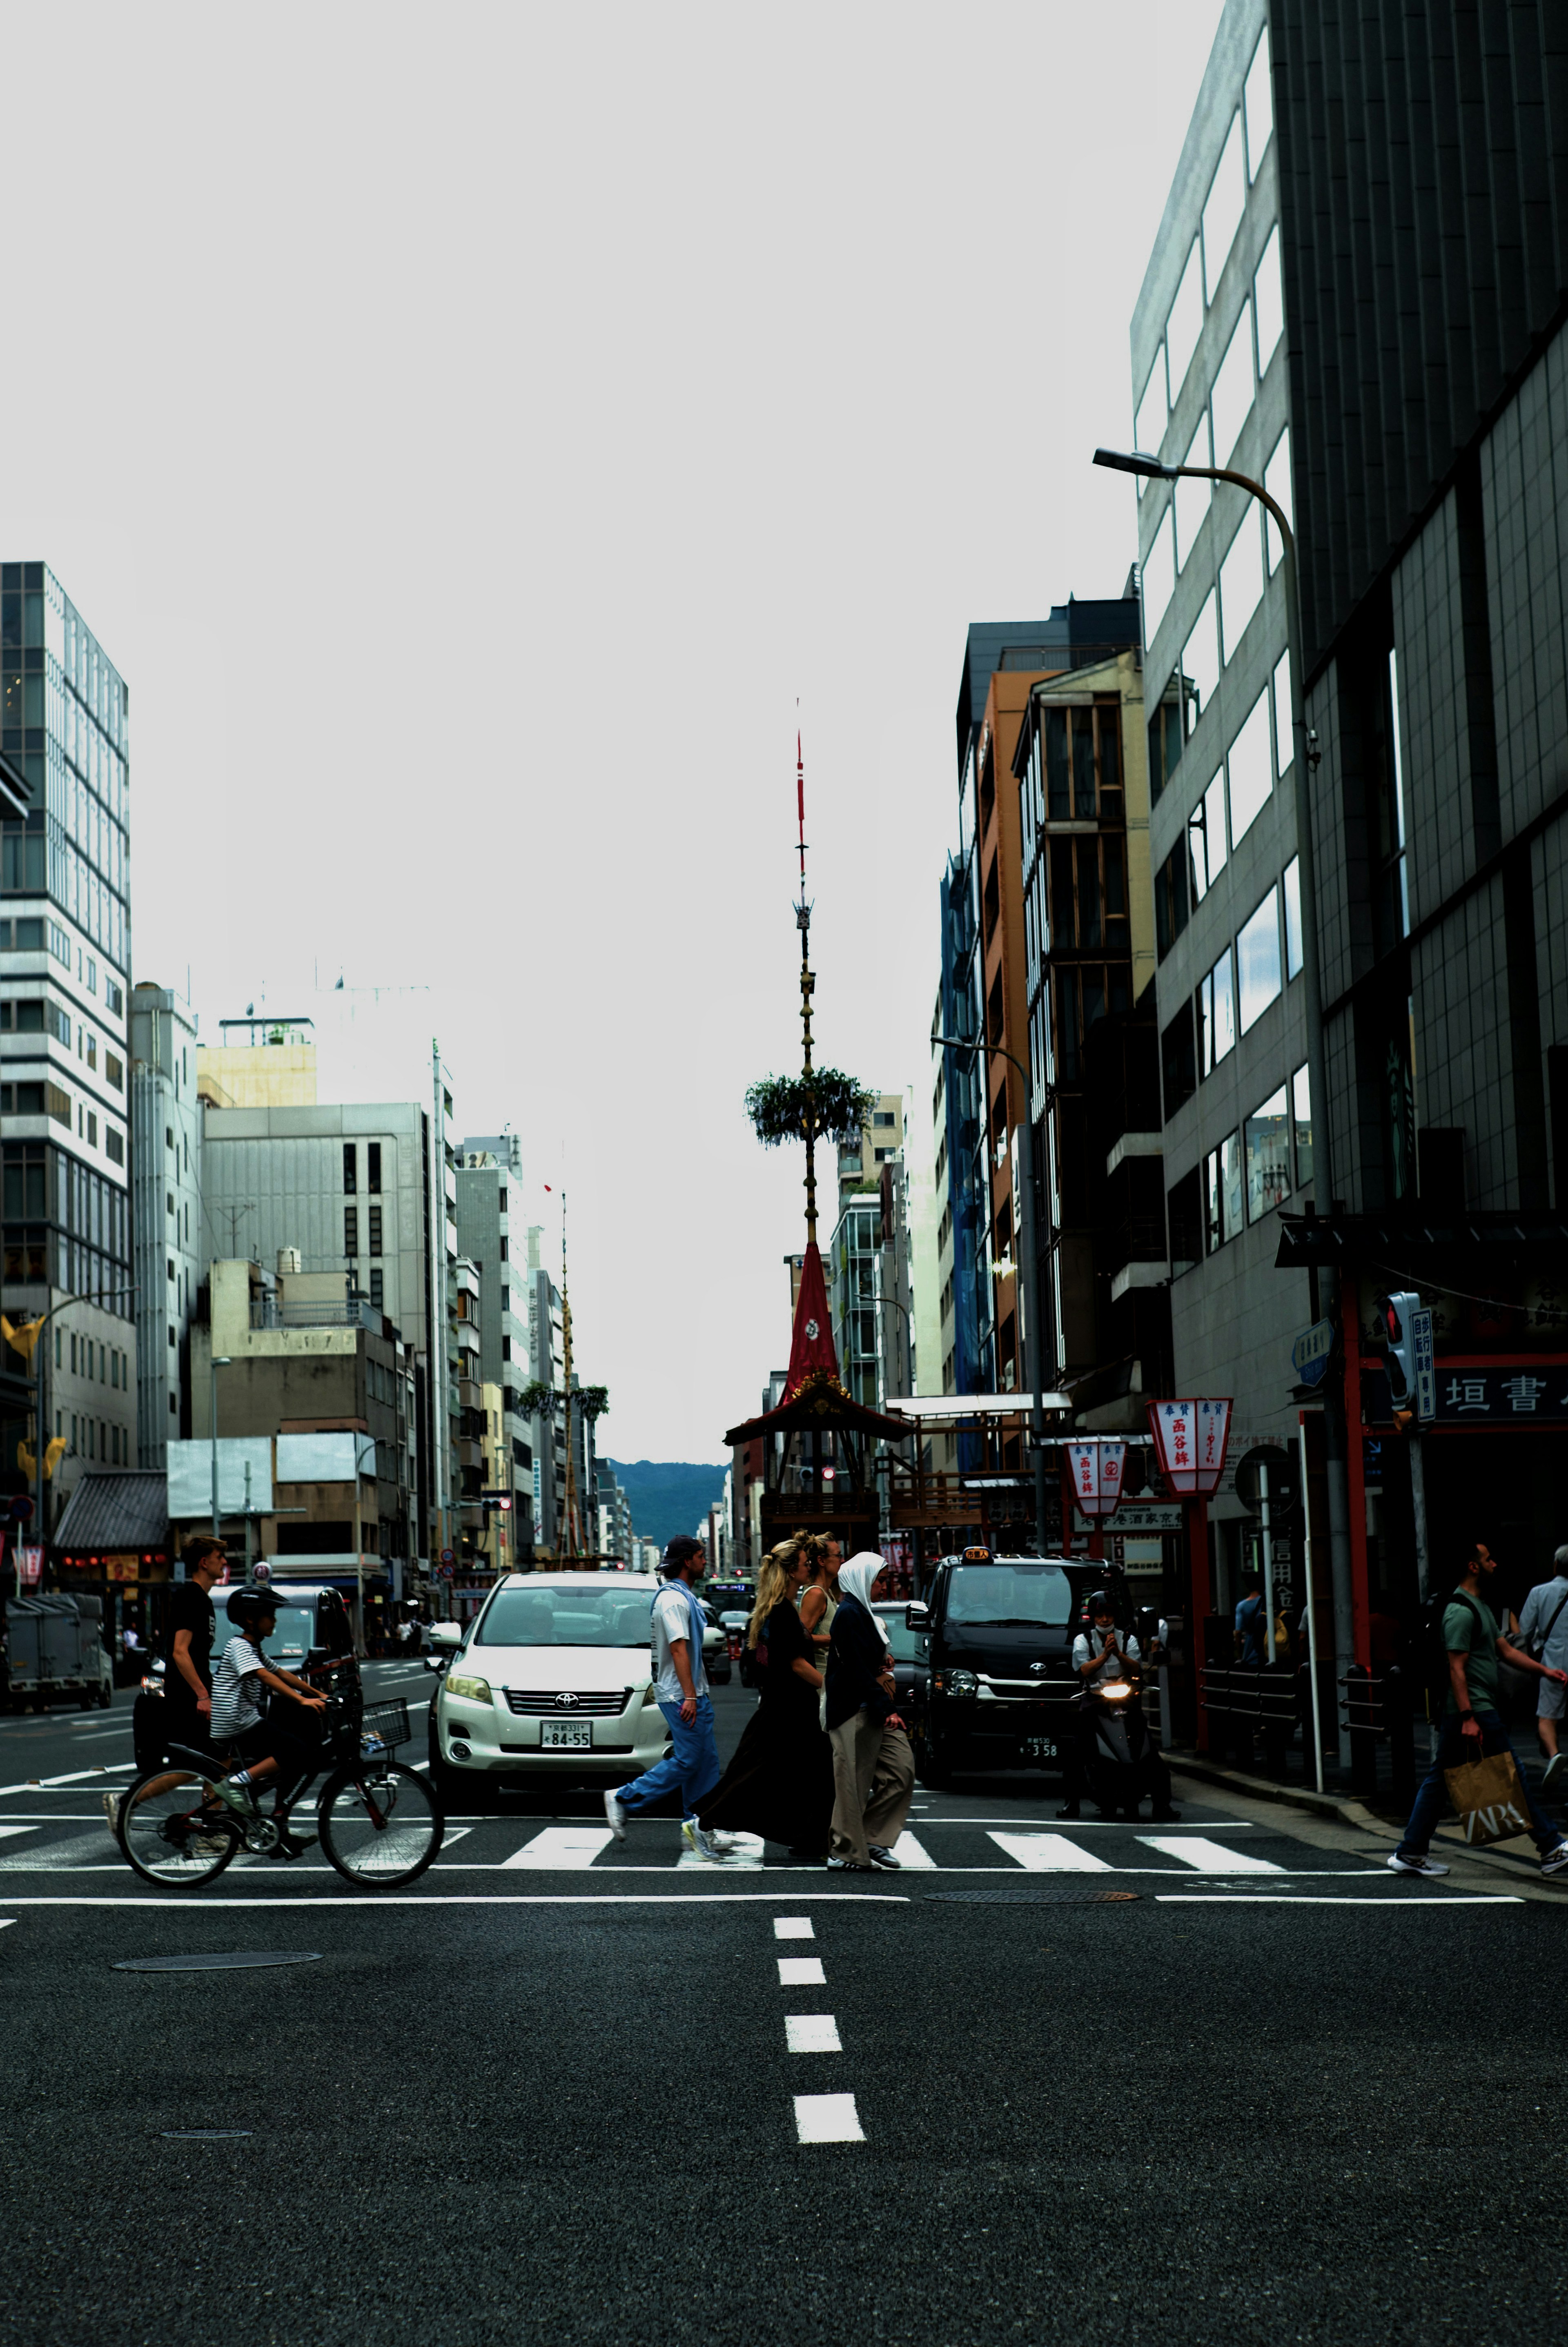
point(380, 1824)
point(171, 1834)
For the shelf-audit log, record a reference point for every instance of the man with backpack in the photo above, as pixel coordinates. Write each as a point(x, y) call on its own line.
point(1471, 1723)
point(1544, 1633)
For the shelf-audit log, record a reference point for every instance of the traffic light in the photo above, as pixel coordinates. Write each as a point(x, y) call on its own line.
point(1397, 1315)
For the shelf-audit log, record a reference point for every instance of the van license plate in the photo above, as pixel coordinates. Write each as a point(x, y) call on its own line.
point(566, 1734)
point(1038, 1747)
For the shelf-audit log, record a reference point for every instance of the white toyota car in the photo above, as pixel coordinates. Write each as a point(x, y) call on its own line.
point(554, 1678)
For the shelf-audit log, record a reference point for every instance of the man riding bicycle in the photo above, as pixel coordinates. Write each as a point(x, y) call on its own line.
point(274, 1746)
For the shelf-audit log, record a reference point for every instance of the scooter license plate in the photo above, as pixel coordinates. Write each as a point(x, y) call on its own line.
point(566, 1734)
point(1040, 1747)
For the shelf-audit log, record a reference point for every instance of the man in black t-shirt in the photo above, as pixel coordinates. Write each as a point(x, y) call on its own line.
point(189, 1631)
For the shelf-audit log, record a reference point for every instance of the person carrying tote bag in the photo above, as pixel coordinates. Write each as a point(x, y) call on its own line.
point(873, 1766)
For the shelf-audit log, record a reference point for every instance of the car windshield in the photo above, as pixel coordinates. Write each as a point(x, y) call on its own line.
point(290, 1643)
point(905, 1643)
point(1008, 1596)
point(590, 1615)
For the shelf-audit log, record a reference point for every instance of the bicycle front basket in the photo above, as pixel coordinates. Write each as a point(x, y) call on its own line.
point(383, 1727)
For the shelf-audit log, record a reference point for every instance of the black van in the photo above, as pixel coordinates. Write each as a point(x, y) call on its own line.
point(1000, 1655)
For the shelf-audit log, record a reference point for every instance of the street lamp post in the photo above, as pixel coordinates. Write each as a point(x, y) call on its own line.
point(1037, 1314)
point(219, 1362)
point(1151, 468)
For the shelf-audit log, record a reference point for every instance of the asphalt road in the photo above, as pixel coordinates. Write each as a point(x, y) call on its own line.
point(1277, 2094)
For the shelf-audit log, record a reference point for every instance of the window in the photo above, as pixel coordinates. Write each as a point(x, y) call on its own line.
point(169, 1136)
point(1183, 1215)
point(1241, 582)
point(1293, 955)
point(1201, 663)
point(1193, 499)
point(349, 1171)
point(1223, 211)
point(114, 1147)
point(1301, 1116)
point(376, 1230)
point(1206, 839)
point(168, 1202)
point(59, 943)
point(92, 975)
point(1250, 765)
point(1231, 399)
point(373, 1167)
point(1284, 722)
point(1165, 741)
point(1258, 101)
point(503, 1246)
point(376, 1286)
point(1277, 481)
point(506, 1349)
point(883, 1116)
point(1089, 893)
point(1171, 899)
point(1215, 1006)
point(1223, 1199)
point(1153, 409)
point(1159, 573)
point(351, 1231)
point(1268, 293)
point(57, 1105)
point(113, 997)
point(114, 1070)
point(92, 1052)
point(92, 1129)
point(1267, 1141)
point(1257, 961)
point(1178, 1060)
point(1394, 894)
point(1185, 323)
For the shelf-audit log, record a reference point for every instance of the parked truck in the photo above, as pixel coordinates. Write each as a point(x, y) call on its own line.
point(51, 1650)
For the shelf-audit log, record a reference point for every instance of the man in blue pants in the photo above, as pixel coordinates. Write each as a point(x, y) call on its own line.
point(680, 1688)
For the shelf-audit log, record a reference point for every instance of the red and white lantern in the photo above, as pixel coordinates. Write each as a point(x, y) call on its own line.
point(1096, 1468)
point(1189, 1439)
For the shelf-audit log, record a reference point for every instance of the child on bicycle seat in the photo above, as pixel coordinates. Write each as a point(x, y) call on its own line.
point(268, 1749)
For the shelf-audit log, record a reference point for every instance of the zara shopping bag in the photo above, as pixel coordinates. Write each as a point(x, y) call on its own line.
point(1489, 1797)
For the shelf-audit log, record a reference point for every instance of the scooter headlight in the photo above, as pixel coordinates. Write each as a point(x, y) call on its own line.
point(1117, 1692)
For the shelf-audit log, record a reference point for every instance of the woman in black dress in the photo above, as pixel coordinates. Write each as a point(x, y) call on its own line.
point(780, 1783)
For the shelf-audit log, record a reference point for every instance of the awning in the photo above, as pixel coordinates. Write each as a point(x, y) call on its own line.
point(113, 1510)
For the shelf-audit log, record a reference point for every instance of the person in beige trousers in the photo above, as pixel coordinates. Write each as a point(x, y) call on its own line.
point(873, 1766)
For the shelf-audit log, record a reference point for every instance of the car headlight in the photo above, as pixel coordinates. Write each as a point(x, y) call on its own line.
point(476, 1690)
point(958, 1683)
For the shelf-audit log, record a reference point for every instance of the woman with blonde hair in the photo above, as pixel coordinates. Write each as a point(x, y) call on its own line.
point(780, 1783)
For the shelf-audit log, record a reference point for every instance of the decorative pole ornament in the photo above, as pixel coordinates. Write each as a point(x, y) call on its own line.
point(798, 1108)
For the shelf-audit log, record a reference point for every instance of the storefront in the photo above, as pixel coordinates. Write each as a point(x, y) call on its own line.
point(113, 1543)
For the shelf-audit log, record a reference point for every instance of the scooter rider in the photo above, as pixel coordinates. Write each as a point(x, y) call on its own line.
point(1102, 1655)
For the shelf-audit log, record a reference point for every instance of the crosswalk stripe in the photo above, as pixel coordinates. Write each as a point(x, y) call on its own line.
point(82, 1849)
point(1209, 1857)
point(1050, 1853)
point(16, 1829)
point(561, 1847)
point(913, 1854)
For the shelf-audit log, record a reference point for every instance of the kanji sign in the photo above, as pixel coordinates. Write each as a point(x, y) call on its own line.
point(1096, 1469)
point(1510, 1395)
point(1426, 1366)
point(1190, 1439)
point(29, 1567)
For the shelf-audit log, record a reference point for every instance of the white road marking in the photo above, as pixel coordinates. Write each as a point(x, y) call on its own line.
point(811, 2032)
point(801, 1971)
point(1334, 1899)
point(562, 1846)
point(468, 1899)
point(75, 1776)
point(1049, 1854)
point(77, 1852)
point(16, 1829)
point(1210, 1857)
point(794, 1927)
point(1107, 1825)
point(827, 2118)
point(912, 1853)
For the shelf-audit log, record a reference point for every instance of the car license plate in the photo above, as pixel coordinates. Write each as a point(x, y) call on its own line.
point(1038, 1747)
point(566, 1734)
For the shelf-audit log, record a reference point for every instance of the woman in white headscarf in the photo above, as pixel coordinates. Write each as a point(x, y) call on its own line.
point(873, 1766)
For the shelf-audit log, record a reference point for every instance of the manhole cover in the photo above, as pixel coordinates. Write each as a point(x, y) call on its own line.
point(237, 1960)
point(1062, 1898)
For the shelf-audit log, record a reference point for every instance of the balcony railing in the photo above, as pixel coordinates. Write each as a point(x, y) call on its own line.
point(354, 1312)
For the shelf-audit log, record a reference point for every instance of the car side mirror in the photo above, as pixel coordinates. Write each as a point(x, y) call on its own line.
point(446, 1634)
point(916, 1617)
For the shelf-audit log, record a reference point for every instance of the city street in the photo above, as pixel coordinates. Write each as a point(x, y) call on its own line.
point(1067, 2077)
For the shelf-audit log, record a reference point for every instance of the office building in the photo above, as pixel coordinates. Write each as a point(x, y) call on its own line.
point(546, 1367)
point(65, 967)
point(860, 1162)
point(489, 1175)
point(171, 1243)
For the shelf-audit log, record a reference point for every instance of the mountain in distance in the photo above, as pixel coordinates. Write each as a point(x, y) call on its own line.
point(667, 1496)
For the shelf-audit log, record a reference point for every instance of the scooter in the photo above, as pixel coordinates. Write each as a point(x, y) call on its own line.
point(1121, 1762)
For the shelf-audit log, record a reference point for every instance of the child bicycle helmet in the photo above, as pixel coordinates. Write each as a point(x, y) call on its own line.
point(247, 1606)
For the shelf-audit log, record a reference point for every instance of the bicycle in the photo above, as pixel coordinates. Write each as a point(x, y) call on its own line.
point(378, 1820)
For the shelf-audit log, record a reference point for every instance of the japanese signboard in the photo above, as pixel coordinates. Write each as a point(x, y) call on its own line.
point(1310, 1353)
point(1426, 1366)
point(1510, 1395)
point(1096, 1472)
point(1190, 1439)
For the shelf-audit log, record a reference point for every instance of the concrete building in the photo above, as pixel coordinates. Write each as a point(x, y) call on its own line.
point(547, 1366)
point(852, 1265)
point(260, 1063)
point(489, 1173)
point(860, 1162)
point(300, 1355)
point(171, 1245)
point(64, 962)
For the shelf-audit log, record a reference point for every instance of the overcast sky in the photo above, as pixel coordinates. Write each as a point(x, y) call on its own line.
point(471, 432)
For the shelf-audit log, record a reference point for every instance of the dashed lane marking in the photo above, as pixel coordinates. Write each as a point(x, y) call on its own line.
point(801, 1971)
point(1210, 1857)
point(1334, 1899)
point(73, 1776)
point(473, 1899)
point(827, 2118)
point(811, 2032)
point(794, 1927)
point(1049, 1854)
